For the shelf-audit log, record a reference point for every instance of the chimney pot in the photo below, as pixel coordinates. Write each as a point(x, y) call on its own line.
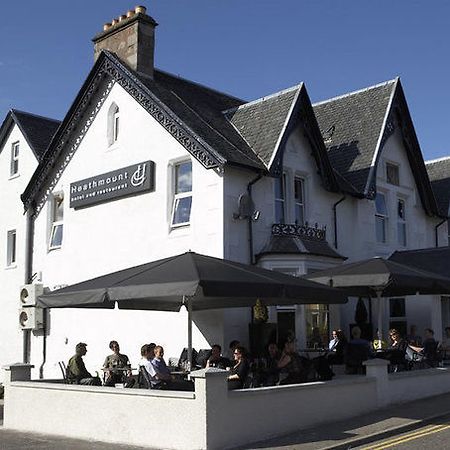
point(130, 13)
point(114, 22)
point(140, 9)
point(122, 17)
point(106, 26)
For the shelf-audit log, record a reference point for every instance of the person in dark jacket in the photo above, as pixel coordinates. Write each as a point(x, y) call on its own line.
point(76, 370)
point(240, 370)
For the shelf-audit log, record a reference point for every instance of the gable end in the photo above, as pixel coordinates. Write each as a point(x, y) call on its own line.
point(71, 133)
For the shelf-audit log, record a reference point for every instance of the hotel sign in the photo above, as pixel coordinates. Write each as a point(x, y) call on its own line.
point(130, 180)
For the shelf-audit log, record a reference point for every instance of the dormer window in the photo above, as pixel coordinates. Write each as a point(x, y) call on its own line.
point(14, 159)
point(392, 174)
point(113, 124)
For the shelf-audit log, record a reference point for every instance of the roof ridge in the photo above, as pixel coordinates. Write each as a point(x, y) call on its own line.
point(15, 111)
point(209, 125)
point(359, 91)
point(196, 83)
point(433, 161)
point(262, 99)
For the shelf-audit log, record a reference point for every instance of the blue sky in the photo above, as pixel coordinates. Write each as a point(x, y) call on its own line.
point(248, 48)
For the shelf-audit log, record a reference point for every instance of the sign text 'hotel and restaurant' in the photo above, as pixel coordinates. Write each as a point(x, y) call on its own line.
point(130, 180)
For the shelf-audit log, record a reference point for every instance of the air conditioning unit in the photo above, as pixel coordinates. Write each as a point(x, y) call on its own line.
point(31, 318)
point(29, 294)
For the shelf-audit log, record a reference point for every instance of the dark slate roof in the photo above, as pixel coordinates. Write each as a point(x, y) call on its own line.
point(439, 174)
point(37, 130)
point(201, 108)
point(351, 126)
point(263, 121)
point(293, 245)
point(435, 260)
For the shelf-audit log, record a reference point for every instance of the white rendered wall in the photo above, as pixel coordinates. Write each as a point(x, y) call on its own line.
point(104, 238)
point(12, 218)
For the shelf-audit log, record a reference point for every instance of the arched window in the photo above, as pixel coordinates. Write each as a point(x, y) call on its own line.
point(113, 124)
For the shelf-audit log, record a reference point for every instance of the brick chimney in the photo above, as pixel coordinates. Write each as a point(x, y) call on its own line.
point(132, 38)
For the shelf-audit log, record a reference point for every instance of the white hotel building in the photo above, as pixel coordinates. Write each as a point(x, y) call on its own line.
point(147, 165)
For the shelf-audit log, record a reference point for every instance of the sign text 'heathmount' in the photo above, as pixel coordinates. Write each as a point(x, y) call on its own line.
point(130, 180)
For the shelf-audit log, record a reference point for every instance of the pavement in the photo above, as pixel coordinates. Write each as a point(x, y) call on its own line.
point(338, 435)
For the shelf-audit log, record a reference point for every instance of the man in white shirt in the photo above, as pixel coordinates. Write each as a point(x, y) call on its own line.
point(148, 353)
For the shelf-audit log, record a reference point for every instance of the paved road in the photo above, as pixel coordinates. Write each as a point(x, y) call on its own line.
point(434, 435)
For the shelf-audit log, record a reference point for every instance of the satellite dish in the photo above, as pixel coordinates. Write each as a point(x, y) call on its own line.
point(246, 206)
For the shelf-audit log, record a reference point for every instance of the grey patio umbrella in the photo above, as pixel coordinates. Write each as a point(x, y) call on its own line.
point(377, 277)
point(199, 282)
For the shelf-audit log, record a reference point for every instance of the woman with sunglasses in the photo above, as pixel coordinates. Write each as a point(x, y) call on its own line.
point(239, 371)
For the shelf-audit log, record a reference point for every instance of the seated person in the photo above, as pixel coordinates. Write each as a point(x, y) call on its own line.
point(396, 351)
point(357, 351)
point(113, 365)
point(147, 354)
point(413, 338)
point(76, 370)
point(216, 359)
point(231, 348)
point(271, 374)
point(429, 348)
point(337, 347)
point(240, 370)
point(163, 378)
point(291, 364)
point(333, 341)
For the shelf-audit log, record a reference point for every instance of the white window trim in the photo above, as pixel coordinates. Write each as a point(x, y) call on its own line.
point(303, 205)
point(113, 126)
point(282, 200)
point(14, 159)
point(176, 197)
point(11, 250)
point(395, 165)
point(54, 224)
point(401, 221)
point(385, 219)
point(116, 126)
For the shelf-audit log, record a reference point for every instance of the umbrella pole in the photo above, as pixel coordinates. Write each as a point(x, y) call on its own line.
point(189, 309)
point(380, 315)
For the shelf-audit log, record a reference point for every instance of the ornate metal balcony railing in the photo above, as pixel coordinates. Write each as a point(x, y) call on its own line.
point(302, 231)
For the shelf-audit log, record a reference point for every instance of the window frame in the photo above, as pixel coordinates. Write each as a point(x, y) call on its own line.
point(179, 196)
point(115, 126)
point(381, 217)
point(11, 248)
point(55, 223)
point(14, 163)
point(281, 200)
point(396, 171)
point(301, 205)
point(401, 223)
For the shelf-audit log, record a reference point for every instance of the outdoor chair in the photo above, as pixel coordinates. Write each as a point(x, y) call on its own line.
point(63, 368)
point(355, 355)
point(144, 381)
